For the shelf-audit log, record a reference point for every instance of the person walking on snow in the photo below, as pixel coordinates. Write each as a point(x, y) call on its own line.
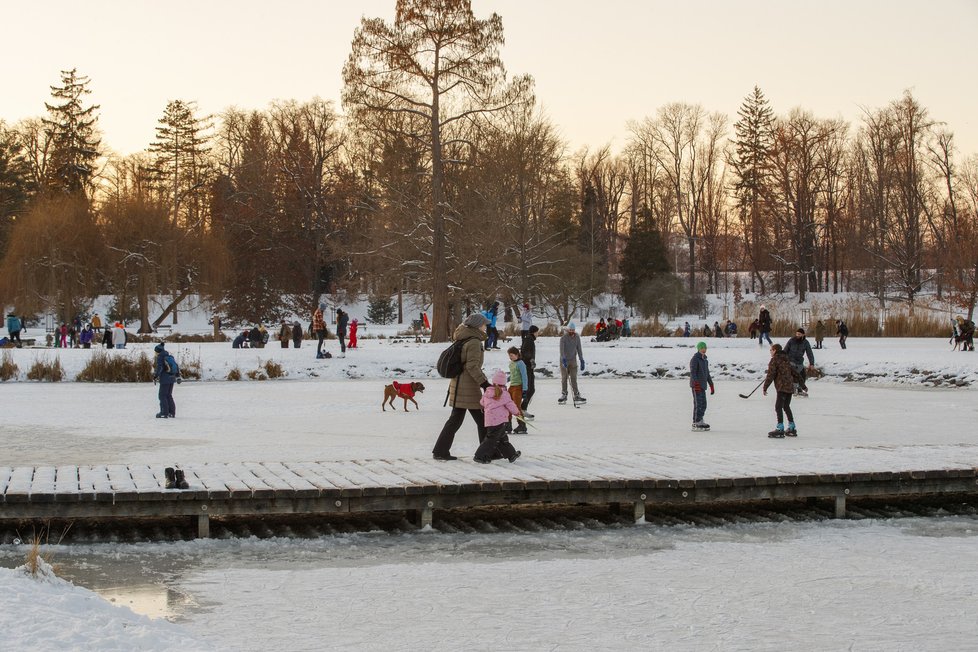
point(296, 335)
point(342, 319)
point(284, 334)
point(819, 333)
point(699, 380)
point(319, 328)
point(465, 390)
point(796, 349)
point(570, 353)
point(498, 406)
point(167, 373)
point(764, 326)
point(782, 374)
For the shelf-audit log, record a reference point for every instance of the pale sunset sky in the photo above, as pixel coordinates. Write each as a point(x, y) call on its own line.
point(596, 64)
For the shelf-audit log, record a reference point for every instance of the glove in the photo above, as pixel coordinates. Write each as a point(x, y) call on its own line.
point(712, 391)
point(563, 362)
point(179, 380)
point(582, 364)
point(484, 385)
point(697, 387)
point(154, 380)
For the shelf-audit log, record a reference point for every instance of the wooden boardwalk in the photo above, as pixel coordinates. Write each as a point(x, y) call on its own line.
point(421, 486)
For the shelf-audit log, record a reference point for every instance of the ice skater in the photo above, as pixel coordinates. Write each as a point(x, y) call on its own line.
point(167, 373)
point(782, 374)
point(699, 379)
point(570, 353)
point(796, 349)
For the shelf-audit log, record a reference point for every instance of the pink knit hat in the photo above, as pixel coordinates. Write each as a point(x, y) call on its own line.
point(499, 378)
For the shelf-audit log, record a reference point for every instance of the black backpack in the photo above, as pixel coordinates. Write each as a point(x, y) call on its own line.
point(450, 364)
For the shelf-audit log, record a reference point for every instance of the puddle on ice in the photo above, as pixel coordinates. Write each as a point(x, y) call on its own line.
point(153, 600)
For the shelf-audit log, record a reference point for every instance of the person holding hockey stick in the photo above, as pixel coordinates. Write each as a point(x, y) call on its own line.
point(782, 374)
point(699, 379)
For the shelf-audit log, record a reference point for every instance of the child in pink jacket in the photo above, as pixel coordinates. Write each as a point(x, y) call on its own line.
point(498, 405)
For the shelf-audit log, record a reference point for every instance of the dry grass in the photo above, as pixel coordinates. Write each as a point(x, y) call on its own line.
point(37, 562)
point(190, 367)
point(177, 338)
point(109, 367)
point(274, 369)
point(234, 374)
point(860, 314)
point(44, 369)
point(257, 374)
point(8, 368)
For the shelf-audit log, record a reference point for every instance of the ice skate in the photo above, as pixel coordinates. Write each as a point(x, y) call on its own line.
point(562, 400)
point(579, 399)
point(777, 433)
point(700, 426)
point(791, 431)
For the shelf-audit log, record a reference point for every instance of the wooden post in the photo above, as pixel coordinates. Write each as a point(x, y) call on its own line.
point(640, 510)
point(840, 506)
point(203, 526)
point(427, 515)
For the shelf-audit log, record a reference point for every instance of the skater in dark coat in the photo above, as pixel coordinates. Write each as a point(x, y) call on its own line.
point(342, 319)
point(528, 352)
point(796, 349)
point(296, 335)
point(782, 375)
point(699, 380)
point(166, 374)
point(764, 326)
point(819, 333)
point(842, 331)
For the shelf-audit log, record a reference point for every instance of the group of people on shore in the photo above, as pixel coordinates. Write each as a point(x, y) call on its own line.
point(258, 336)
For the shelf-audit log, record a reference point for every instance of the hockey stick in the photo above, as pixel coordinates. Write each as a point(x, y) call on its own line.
point(525, 422)
point(751, 391)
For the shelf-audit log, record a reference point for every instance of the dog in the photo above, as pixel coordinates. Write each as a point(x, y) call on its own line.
point(405, 391)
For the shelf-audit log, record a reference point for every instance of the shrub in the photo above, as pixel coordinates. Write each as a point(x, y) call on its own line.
point(257, 374)
point(190, 367)
point(177, 338)
point(8, 368)
point(43, 369)
point(381, 310)
point(646, 328)
point(105, 367)
point(234, 374)
point(274, 369)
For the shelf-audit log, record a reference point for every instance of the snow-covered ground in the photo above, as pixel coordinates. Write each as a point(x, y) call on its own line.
point(864, 585)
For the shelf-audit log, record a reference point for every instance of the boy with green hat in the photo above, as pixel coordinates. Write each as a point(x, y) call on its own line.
point(699, 379)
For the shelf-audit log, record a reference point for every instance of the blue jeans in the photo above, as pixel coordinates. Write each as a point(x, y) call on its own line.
point(767, 334)
point(167, 406)
point(699, 405)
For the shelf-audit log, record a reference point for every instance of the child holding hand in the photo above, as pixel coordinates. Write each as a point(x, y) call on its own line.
point(498, 405)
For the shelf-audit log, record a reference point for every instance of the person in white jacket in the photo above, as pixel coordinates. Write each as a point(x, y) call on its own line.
point(526, 320)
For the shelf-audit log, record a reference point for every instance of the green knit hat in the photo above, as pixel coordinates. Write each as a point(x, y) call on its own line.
point(700, 346)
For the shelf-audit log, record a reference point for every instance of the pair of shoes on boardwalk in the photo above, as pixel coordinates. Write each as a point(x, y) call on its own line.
point(175, 478)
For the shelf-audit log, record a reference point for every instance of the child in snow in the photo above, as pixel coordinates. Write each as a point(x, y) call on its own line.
point(517, 385)
point(498, 405)
point(782, 374)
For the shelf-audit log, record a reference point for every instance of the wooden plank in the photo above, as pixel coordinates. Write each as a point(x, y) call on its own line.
point(5, 473)
point(19, 485)
point(208, 480)
point(149, 481)
point(258, 487)
point(94, 479)
point(42, 484)
point(299, 486)
point(353, 476)
point(66, 485)
point(312, 473)
point(347, 488)
point(416, 482)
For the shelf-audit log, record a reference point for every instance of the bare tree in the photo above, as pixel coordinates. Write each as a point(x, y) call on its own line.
point(441, 64)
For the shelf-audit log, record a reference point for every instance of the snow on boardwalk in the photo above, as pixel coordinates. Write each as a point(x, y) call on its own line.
point(422, 485)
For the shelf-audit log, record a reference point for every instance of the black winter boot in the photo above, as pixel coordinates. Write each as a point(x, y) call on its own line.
point(171, 480)
point(181, 479)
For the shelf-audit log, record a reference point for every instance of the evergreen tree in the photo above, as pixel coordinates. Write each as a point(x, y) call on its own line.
point(74, 139)
point(180, 164)
point(381, 310)
point(644, 260)
point(753, 142)
point(14, 182)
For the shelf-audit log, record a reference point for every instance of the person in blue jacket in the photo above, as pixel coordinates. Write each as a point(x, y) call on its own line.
point(491, 332)
point(167, 373)
point(699, 380)
point(14, 326)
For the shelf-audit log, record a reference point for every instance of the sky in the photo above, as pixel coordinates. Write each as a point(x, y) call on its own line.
point(596, 65)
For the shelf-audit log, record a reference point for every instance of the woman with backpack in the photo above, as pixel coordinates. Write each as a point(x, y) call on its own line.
point(167, 373)
point(465, 388)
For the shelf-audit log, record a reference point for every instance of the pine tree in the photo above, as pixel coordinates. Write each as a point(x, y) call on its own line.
point(180, 162)
point(74, 138)
point(644, 260)
point(753, 142)
point(15, 183)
